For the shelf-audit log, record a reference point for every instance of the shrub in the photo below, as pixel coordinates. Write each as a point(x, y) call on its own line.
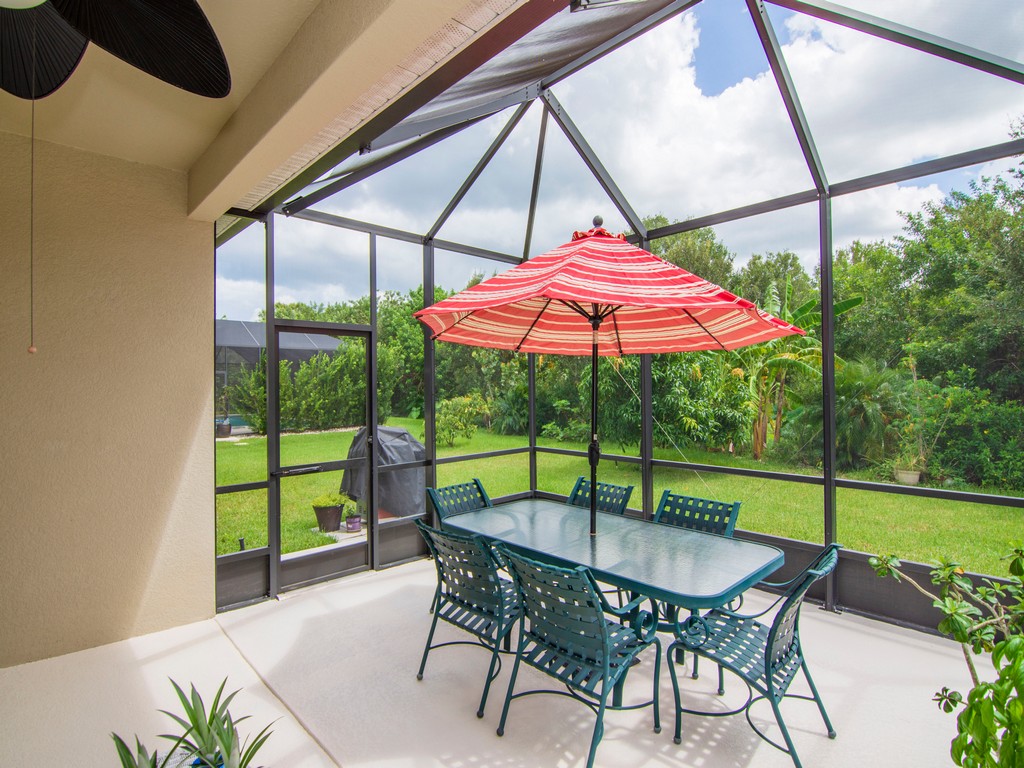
point(458, 416)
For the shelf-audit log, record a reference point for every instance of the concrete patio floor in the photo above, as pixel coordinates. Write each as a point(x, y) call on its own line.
point(334, 665)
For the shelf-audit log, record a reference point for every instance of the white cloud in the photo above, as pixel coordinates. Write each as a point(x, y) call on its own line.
point(871, 106)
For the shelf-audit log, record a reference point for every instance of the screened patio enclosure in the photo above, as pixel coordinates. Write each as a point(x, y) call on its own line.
point(718, 131)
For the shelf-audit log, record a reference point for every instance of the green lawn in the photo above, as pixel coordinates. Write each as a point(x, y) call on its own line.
point(914, 528)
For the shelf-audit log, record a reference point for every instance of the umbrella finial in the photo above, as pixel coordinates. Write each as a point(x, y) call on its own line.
point(598, 221)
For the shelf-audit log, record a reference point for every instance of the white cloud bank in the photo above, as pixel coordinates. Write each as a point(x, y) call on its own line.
point(871, 106)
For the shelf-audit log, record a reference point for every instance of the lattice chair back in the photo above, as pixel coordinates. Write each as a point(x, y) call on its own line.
point(470, 595)
point(610, 498)
point(571, 633)
point(698, 514)
point(459, 498)
point(467, 573)
point(782, 651)
point(561, 609)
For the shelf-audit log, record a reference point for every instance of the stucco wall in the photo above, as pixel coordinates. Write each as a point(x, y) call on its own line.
point(106, 465)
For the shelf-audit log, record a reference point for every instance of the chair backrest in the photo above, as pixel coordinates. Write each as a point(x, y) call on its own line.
point(562, 609)
point(467, 571)
point(459, 498)
point(610, 498)
point(782, 645)
point(697, 513)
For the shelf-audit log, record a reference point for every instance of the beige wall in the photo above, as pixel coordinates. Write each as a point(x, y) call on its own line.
point(106, 445)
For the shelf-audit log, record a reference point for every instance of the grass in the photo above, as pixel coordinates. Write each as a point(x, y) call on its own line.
point(914, 528)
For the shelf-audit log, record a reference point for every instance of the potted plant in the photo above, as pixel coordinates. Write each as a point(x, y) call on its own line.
point(328, 508)
point(909, 464)
point(916, 444)
point(210, 739)
point(353, 517)
point(223, 424)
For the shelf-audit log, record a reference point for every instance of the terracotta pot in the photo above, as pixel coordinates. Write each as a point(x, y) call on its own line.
point(328, 518)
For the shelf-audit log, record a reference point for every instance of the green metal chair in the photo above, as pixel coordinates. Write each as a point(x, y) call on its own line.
point(610, 498)
point(697, 513)
point(470, 595)
point(765, 656)
point(565, 633)
point(459, 498)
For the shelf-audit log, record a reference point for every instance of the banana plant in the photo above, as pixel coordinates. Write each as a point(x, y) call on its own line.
point(766, 366)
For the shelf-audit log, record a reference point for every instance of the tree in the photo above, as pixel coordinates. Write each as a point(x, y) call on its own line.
point(881, 326)
point(964, 260)
point(766, 366)
point(774, 268)
point(698, 251)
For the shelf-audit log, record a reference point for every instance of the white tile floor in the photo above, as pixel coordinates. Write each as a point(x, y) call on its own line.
point(335, 664)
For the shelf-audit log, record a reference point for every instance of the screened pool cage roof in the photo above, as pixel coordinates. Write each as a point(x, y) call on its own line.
point(551, 44)
point(247, 339)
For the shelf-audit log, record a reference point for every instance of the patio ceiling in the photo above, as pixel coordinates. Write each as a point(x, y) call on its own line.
point(305, 74)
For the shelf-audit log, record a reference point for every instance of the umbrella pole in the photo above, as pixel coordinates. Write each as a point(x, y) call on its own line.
point(594, 452)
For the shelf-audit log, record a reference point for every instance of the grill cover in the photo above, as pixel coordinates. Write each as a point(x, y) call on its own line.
point(401, 493)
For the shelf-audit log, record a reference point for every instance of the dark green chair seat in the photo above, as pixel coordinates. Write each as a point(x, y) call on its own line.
point(611, 498)
point(766, 657)
point(697, 514)
point(470, 595)
point(459, 498)
point(566, 632)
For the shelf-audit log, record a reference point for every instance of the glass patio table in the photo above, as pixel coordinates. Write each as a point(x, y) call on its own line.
point(674, 566)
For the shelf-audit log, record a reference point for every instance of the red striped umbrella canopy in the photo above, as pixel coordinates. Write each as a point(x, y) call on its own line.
point(599, 295)
point(643, 304)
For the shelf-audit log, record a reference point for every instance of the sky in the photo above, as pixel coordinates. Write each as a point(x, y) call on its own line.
point(688, 121)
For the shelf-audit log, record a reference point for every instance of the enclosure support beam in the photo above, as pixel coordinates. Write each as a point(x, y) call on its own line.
point(273, 424)
point(773, 51)
point(828, 384)
point(373, 495)
point(909, 37)
point(618, 41)
point(478, 169)
point(538, 166)
point(333, 185)
point(428, 370)
point(592, 162)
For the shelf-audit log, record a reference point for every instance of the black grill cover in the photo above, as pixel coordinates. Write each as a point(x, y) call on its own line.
point(401, 493)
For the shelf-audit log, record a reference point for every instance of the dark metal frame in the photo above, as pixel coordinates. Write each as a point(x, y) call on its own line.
point(821, 194)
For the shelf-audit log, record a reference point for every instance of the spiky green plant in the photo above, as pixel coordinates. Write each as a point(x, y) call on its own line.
point(141, 757)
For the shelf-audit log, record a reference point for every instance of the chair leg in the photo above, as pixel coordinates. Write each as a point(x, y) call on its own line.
point(721, 679)
point(677, 737)
point(657, 685)
point(785, 732)
point(490, 676)
point(598, 729)
point(426, 648)
point(818, 701)
point(508, 693)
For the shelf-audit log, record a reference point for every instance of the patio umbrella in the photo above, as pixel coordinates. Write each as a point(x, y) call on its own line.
point(599, 295)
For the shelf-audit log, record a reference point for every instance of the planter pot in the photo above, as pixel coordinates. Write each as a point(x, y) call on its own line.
point(328, 518)
point(907, 476)
point(354, 524)
point(223, 429)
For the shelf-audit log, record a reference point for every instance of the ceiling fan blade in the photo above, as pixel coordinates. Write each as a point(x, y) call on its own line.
point(58, 49)
point(169, 39)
